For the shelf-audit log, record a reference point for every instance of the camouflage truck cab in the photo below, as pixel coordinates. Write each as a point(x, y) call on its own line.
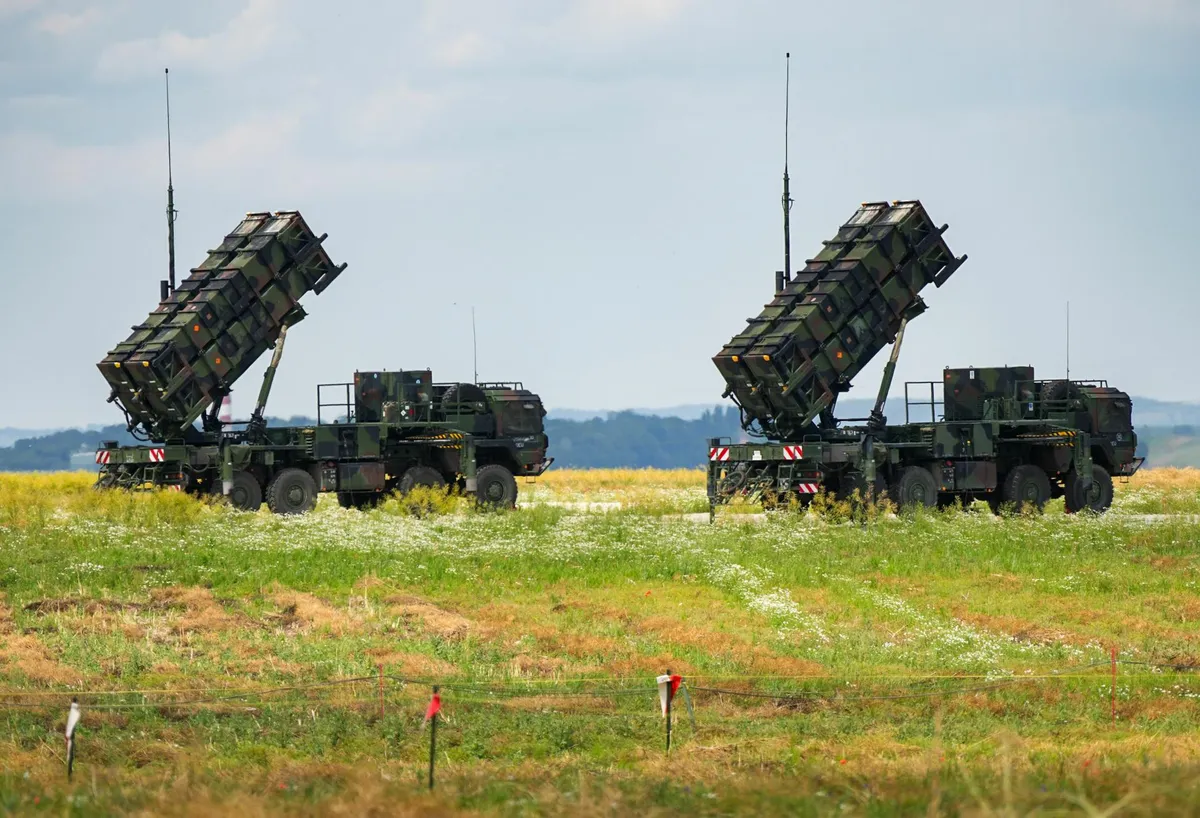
point(396, 430)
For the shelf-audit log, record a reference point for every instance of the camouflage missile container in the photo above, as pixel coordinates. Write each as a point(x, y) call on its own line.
point(190, 350)
point(995, 433)
point(790, 363)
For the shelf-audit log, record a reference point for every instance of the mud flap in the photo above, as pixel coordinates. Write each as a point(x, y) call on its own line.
point(468, 463)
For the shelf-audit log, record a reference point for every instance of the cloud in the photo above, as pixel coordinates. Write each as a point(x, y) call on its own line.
point(10, 8)
point(392, 114)
point(247, 37)
point(37, 166)
point(453, 32)
point(265, 153)
point(622, 18)
point(1158, 12)
point(462, 49)
point(61, 23)
point(41, 102)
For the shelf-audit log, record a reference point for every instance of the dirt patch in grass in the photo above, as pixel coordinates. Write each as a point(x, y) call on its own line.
point(757, 659)
point(1021, 630)
point(416, 665)
point(301, 611)
point(201, 612)
point(540, 666)
point(433, 620)
point(24, 654)
point(570, 704)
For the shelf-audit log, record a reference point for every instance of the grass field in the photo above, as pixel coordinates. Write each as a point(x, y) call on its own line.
point(948, 663)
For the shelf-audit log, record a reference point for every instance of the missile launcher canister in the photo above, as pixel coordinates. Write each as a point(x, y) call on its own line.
point(186, 355)
point(789, 364)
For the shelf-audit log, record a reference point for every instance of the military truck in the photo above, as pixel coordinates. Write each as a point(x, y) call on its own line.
point(997, 433)
point(395, 430)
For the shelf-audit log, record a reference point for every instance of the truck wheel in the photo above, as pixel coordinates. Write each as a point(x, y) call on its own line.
point(495, 487)
point(1097, 497)
point(1026, 486)
point(292, 491)
point(914, 487)
point(420, 476)
point(246, 493)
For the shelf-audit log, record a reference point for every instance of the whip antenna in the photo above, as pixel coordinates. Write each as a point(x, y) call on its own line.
point(171, 212)
point(787, 199)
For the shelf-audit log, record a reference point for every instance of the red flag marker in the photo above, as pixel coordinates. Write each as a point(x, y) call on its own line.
point(431, 714)
point(435, 707)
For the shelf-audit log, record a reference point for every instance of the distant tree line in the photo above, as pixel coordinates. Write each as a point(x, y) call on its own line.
point(630, 440)
point(622, 440)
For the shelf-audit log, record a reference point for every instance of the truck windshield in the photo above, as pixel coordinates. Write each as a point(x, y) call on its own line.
point(521, 418)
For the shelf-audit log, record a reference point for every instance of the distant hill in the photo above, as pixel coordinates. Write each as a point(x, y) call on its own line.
point(671, 437)
point(10, 435)
point(1170, 446)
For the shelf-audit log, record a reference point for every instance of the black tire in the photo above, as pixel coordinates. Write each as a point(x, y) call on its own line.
point(1026, 486)
point(292, 491)
point(463, 393)
point(495, 487)
point(914, 487)
point(420, 476)
point(246, 494)
point(1097, 497)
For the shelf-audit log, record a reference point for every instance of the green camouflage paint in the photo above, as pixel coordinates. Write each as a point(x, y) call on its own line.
point(791, 362)
point(216, 324)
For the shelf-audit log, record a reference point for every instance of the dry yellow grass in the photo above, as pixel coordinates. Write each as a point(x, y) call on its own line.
point(1179, 479)
point(585, 480)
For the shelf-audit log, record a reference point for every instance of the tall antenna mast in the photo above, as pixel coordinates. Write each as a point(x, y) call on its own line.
point(1068, 342)
point(171, 212)
point(787, 199)
point(474, 346)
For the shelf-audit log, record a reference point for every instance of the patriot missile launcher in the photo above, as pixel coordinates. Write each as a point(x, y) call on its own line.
point(996, 434)
point(389, 431)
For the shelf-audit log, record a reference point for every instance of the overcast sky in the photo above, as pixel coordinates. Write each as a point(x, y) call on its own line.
point(600, 179)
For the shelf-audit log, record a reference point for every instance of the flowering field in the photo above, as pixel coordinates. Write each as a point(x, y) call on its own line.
point(933, 664)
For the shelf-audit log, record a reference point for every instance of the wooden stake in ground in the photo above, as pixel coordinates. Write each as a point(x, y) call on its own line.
point(667, 685)
point(381, 690)
point(1114, 685)
point(72, 723)
point(431, 714)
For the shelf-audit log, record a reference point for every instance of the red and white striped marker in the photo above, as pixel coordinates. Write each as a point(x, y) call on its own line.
point(226, 415)
point(718, 454)
point(808, 488)
point(668, 686)
point(793, 452)
point(158, 455)
point(102, 457)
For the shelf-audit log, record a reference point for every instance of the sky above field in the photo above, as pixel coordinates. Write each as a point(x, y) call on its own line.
point(600, 179)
